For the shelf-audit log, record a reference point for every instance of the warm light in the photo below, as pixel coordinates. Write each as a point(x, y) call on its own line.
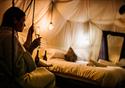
point(44, 22)
point(37, 31)
point(82, 39)
point(51, 26)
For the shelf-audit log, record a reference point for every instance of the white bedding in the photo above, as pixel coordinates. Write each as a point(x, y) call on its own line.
point(107, 77)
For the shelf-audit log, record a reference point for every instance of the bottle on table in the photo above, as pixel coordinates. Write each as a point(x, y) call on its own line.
point(45, 56)
point(37, 58)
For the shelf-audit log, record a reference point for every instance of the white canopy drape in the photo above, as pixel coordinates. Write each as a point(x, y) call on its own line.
point(77, 23)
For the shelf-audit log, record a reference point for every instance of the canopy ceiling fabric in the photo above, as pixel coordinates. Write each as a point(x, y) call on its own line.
point(77, 23)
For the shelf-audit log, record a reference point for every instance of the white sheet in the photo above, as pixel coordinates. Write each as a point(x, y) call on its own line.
point(105, 76)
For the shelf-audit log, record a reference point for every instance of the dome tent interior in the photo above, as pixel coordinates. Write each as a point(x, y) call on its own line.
point(76, 23)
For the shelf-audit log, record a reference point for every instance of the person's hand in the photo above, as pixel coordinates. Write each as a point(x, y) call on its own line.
point(43, 63)
point(35, 43)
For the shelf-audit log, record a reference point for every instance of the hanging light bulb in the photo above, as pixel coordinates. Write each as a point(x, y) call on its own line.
point(51, 26)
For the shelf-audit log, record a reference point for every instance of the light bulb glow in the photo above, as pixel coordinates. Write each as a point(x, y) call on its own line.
point(51, 26)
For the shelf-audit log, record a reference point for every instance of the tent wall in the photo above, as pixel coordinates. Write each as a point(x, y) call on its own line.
point(77, 23)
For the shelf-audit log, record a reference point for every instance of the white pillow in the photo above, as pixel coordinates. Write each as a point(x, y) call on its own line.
point(55, 53)
point(105, 62)
point(95, 63)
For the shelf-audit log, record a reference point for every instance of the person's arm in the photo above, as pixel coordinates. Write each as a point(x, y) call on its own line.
point(29, 45)
point(29, 38)
point(34, 45)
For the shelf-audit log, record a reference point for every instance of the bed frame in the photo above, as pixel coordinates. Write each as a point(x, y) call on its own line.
point(70, 82)
point(67, 81)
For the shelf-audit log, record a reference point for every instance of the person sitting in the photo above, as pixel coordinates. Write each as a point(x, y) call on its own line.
point(17, 67)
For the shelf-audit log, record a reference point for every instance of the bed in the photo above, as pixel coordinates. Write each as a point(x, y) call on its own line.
point(81, 74)
point(100, 77)
point(85, 74)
